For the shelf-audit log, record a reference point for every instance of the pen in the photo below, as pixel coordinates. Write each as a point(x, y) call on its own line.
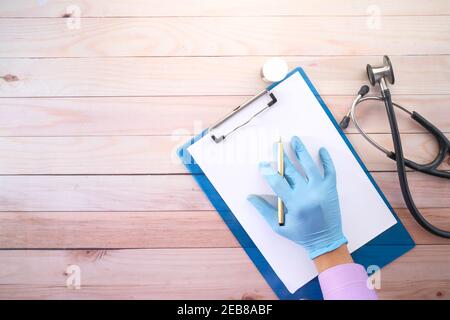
point(281, 172)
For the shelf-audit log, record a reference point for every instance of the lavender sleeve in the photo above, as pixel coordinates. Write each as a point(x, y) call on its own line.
point(346, 282)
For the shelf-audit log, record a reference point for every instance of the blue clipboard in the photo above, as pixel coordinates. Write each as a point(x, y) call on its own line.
point(380, 251)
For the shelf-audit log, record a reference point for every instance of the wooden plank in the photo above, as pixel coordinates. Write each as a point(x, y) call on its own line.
point(101, 193)
point(216, 273)
point(118, 115)
point(226, 36)
point(212, 76)
point(181, 115)
point(164, 192)
point(173, 229)
point(157, 154)
point(422, 273)
point(181, 273)
point(438, 216)
point(107, 8)
point(180, 229)
point(428, 192)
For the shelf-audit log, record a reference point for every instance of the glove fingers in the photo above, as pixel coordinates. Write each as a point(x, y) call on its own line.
point(304, 158)
point(328, 166)
point(265, 209)
point(278, 183)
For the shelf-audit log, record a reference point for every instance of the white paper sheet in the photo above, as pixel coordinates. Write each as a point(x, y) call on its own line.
point(232, 168)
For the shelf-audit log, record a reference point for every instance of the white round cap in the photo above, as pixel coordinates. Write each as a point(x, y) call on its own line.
point(274, 69)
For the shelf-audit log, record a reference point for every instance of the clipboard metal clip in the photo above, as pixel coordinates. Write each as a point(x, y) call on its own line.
point(218, 139)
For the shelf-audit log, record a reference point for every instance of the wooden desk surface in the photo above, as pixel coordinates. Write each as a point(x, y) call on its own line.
point(92, 109)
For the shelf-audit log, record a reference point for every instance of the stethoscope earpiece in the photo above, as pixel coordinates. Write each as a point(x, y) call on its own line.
point(363, 90)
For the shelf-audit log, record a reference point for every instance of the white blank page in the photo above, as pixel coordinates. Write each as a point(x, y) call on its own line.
point(232, 167)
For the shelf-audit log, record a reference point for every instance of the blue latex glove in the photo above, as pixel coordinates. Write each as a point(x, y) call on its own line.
point(313, 217)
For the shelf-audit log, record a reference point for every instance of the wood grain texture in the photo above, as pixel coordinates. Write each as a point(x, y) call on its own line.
point(157, 154)
point(170, 229)
point(96, 95)
point(175, 76)
point(108, 8)
point(181, 115)
point(229, 36)
point(215, 273)
point(225, 273)
point(164, 192)
point(439, 216)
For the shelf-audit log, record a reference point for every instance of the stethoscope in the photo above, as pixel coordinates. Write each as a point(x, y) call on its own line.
point(380, 75)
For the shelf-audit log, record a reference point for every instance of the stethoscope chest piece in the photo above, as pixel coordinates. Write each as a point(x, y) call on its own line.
point(376, 74)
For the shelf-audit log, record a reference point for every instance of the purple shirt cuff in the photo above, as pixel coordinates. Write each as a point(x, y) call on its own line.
point(346, 282)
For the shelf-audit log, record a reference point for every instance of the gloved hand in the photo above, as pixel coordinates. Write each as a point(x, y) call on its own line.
point(313, 217)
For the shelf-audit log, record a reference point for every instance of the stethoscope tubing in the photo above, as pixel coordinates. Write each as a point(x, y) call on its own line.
point(398, 157)
point(428, 168)
point(401, 170)
point(358, 127)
